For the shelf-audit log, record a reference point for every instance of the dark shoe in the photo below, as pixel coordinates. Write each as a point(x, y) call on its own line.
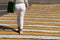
point(20, 30)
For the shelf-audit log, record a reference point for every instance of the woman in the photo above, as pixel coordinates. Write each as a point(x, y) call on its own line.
point(20, 10)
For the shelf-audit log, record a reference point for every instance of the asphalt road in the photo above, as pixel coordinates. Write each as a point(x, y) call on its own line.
point(37, 1)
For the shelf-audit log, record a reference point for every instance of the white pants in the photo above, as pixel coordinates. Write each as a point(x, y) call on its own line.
point(20, 19)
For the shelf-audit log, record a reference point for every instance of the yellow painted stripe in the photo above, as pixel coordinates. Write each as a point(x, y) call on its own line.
point(9, 15)
point(8, 18)
point(8, 32)
point(11, 26)
point(35, 23)
point(48, 16)
point(56, 5)
point(45, 21)
point(32, 14)
point(8, 22)
point(29, 23)
point(41, 16)
point(46, 6)
point(51, 24)
point(31, 33)
point(3, 22)
point(40, 28)
point(40, 11)
point(41, 34)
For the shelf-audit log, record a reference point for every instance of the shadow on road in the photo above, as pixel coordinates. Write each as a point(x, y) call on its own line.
point(6, 28)
point(3, 13)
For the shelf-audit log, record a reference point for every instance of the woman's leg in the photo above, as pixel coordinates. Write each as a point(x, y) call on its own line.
point(20, 17)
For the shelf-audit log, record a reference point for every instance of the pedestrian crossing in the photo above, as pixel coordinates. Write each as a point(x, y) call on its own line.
point(40, 22)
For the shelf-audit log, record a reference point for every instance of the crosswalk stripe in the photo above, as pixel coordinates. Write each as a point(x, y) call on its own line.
point(49, 31)
point(43, 23)
point(29, 36)
point(45, 20)
point(34, 16)
point(41, 26)
point(44, 30)
point(31, 25)
point(31, 18)
point(13, 21)
point(31, 30)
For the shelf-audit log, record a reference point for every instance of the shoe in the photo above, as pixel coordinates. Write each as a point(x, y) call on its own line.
point(20, 30)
